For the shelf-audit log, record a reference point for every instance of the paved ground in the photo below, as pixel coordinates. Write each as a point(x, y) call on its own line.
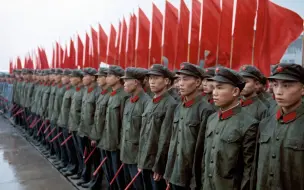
point(22, 167)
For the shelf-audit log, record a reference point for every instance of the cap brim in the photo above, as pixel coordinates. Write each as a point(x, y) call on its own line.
point(283, 77)
point(187, 73)
point(245, 74)
point(154, 73)
point(220, 79)
point(126, 77)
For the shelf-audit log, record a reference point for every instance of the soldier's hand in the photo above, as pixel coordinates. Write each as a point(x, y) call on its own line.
point(139, 170)
point(93, 143)
point(156, 177)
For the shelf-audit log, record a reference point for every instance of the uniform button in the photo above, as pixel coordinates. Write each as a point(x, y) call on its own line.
point(210, 175)
point(217, 132)
point(213, 147)
point(176, 154)
point(271, 174)
point(177, 142)
point(179, 130)
point(274, 156)
point(211, 161)
point(277, 138)
point(182, 118)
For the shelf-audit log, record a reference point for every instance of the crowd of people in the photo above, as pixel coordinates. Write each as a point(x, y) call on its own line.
point(194, 128)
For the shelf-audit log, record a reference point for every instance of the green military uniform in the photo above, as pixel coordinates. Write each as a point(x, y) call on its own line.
point(230, 141)
point(189, 118)
point(281, 143)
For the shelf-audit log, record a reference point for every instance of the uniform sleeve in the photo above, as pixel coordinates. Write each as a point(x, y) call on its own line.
point(248, 146)
point(164, 140)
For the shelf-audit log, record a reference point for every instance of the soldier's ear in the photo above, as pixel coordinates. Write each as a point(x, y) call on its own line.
point(236, 92)
point(302, 90)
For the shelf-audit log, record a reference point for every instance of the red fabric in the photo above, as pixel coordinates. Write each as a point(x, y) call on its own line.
point(79, 53)
point(131, 41)
point(57, 55)
point(66, 59)
point(142, 50)
point(72, 58)
point(183, 34)
point(195, 29)
point(156, 38)
point(117, 44)
point(170, 36)
point(43, 59)
point(123, 44)
point(30, 63)
point(111, 46)
point(95, 55)
point(53, 59)
point(87, 52)
point(103, 42)
point(10, 67)
point(61, 58)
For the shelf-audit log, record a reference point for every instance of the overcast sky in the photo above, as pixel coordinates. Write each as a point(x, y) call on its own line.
point(31, 23)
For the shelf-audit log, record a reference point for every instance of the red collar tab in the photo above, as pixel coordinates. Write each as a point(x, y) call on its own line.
point(59, 85)
point(245, 103)
point(226, 114)
point(113, 93)
point(90, 89)
point(134, 99)
point(286, 118)
point(68, 87)
point(104, 92)
point(145, 89)
point(189, 103)
point(211, 101)
point(54, 84)
point(204, 94)
point(273, 96)
point(157, 99)
point(78, 88)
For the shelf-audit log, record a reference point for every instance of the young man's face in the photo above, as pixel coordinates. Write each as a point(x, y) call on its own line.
point(207, 86)
point(224, 94)
point(87, 80)
point(112, 80)
point(57, 78)
point(101, 81)
point(130, 85)
point(287, 93)
point(259, 87)
point(188, 84)
point(158, 83)
point(75, 80)
point(250, 87)
point(65, 79)
point(46, 78)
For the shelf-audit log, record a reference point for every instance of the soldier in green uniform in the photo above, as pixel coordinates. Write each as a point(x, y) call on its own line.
point(16, 96)
point(111, 135)
point(172, 90)
point(87, 120)
point(281, 138)
point(74, 119)
point(134, 108)
point(208, 86)
point(263, 95)
point(250, 101)
point(190, 117)
point(156, 129)
point(230, 137)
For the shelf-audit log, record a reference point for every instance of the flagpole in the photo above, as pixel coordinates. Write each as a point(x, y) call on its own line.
point(188, 55)
point(231, 50)
point(149, 58)
point(253, 47)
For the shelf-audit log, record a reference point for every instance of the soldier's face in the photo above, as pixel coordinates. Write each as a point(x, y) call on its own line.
point(224, 94)
point(101, 81)
point(75, 80)
point(250, 87)
point(259, 88)
point(46, 78)
point(158, 83)
point(130, 85)
point(207, 86)
point(112, 80)
point(57, 78)
point(287, 93)
point(188, 84)
point(176, 83)
point(65, 79)
point(87, 80)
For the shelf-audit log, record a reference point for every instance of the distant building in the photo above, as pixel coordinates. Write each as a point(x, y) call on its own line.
point(293, 53)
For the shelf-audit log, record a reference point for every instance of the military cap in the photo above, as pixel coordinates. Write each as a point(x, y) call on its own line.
point(76, 73)
point(229, 76)
point(209, 72)
point(135, 73)
point(159, 70)
point(58, 71)
point(46, 72)
point(251, 72)
point(288, 71)
point(24, 71)
point(30, 71)
point(191, 70)
point(116, 70)
point(89, 71)
point(66, 72)
point(52, 71)
point(102, 71)
point(18, 71)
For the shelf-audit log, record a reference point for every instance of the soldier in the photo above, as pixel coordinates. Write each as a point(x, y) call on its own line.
point(281, 142)
point(190, 116)
point(208, 86)
point(263, 95)
point(134, 108)
point(230, 137)
point(29, 95)
point(74, 119)
point(87, 120)
point(111, 135)
point(250, 101)
point(156, 129)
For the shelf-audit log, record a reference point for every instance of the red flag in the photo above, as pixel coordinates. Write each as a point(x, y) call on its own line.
point(142, 50)
point(10, 67)
point(131, 41)
point(111, 46)
point(95, 56)
point(170, 36)
point(87, 52)
point(25, 63)
point(65, 64)
point(61, 58)
point(57, 55)
point(156, 36)
point(72, 58)
point(103, 42)
point(195, 29)
point(182, 35)
point(79, 52)
point(122, 54)
point(30, 63)
point(117, 44)
point(53, 59)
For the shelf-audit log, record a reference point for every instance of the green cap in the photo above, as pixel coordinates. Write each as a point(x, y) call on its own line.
point(159, 70)
point(116, 70)
point(89, 71)
point(66, 72)
point(102, 71)
point(229, 76)
point(52, 71)
point(209, 72)
point(77, 73)
point(288, 71)
point(46, 72)
point(191, 70)
point(251, 72)
point(58, 71)
point(135, 73)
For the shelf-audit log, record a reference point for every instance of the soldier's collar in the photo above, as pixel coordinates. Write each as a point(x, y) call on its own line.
point(189, 103)
point(229, 113)
point(289, 117)
point(59, 85)
point(105, 91)
point(203, 93)
point(114, 92)
point(248, 102)
point(210, 100)
point(135, 98)
point(68, 86)
point(156, 100)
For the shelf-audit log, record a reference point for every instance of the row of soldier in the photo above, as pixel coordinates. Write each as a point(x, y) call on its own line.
point(155, 129)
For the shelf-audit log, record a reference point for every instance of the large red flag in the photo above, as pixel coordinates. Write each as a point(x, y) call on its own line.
point(170, 34)
point(117, 44)
point(87, 52)
point(123, 43)
point(142, 50)
point(111, 46)
point(195, 29)
point(72, 57)
point(61, 58)
point(53, 59)
point(30, 63)
point(57, 55)
point(10, 67)
point(183, 34)
point(103, 42)
point(131, 41)
point(95, 56)
point(65, 62)
point(156, 36)
point(79, 52)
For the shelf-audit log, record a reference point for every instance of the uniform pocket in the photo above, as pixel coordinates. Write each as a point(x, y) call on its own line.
point(294, 144)
point(192, 130)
